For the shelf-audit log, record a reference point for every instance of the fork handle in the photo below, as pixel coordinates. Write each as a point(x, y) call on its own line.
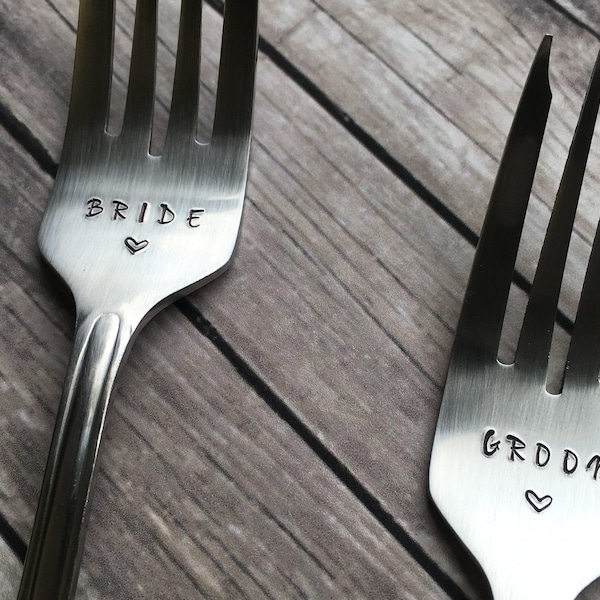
point(54, 554)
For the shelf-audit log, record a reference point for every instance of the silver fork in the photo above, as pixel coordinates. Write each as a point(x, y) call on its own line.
point(129, 233)
point(515, 469)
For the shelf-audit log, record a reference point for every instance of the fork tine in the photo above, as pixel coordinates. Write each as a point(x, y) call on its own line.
point(536, 334)
point(92, 72)
point(583, 359)
point(183, 117)
point(139, 108)
point(233, 114)
point(480, 323)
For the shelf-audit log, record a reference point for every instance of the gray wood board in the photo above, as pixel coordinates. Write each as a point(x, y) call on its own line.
point(378, 131)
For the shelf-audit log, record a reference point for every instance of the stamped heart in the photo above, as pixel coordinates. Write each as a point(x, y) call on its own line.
point(538, 503)
point(134, 246)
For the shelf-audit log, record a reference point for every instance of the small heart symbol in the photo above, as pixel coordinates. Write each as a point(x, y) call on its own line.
point(538, 504)
point(134, 246)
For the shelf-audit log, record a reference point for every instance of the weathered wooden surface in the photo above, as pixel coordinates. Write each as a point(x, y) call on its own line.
point(270, 435)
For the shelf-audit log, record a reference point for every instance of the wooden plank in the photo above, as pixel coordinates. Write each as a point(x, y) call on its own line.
point(585, 14)
point(352, 299)
point(362, 317)
point(10, 571)
point(436, 84)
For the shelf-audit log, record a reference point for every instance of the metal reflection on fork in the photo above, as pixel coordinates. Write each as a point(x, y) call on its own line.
point(515, 470)
point(129, 232)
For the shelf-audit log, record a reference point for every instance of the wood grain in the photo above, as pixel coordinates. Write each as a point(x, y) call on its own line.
point(453, 123)
point(378, 131)
point(11, 570)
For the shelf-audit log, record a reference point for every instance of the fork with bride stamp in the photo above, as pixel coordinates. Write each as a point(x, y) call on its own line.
point(130, 232)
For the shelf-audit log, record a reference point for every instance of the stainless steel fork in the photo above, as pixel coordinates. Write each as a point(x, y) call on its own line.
point(129, 232)
point(514, 469)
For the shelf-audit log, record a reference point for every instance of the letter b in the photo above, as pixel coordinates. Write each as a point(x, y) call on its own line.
point(94, 207)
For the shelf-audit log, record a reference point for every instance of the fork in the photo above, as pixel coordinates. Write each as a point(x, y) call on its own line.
point(130, 232)
point(514, 469)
